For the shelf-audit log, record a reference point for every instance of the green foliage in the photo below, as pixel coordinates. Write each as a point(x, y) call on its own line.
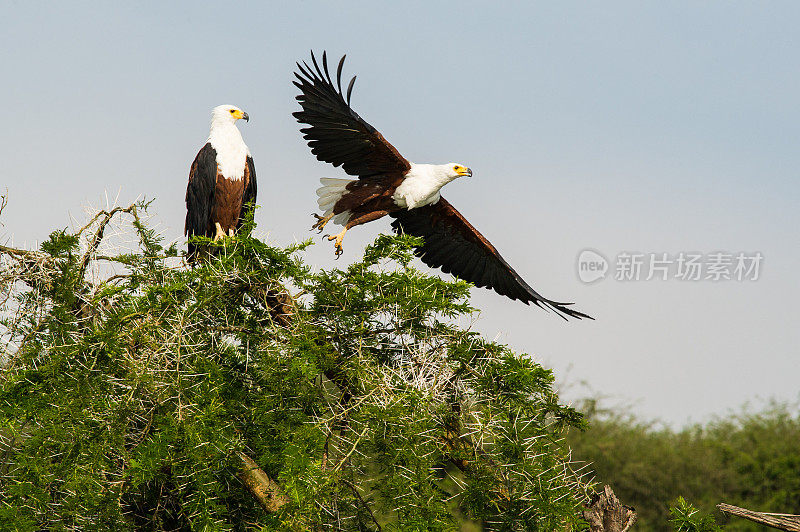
point(60, 243)
point(126, 399)
point(749, 459)
point(686, 518)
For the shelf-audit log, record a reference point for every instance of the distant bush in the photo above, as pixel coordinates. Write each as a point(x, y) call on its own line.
point(748, 459)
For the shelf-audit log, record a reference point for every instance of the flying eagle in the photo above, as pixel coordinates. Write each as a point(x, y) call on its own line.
point(390, 184)
point(222, 180)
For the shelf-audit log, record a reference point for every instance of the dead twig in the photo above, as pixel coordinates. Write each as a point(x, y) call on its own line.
point(14, 252)
point(788, 522)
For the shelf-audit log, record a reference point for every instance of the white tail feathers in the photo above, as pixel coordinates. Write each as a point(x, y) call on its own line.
point(329, 193)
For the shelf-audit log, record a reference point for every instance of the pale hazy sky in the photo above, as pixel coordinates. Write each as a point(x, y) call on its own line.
point(617, 126)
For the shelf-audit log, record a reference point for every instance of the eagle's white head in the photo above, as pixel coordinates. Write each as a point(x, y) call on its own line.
point(227, 114)
point(422, 183)
point(455, 170)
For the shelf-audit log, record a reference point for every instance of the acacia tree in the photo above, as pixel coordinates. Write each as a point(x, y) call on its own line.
point(250, 392)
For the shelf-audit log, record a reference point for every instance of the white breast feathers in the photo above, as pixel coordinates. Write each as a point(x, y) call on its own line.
point(231, 150)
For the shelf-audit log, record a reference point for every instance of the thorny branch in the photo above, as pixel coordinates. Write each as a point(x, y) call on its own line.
point(21, 252)
point(34, 268)
point(98, 235)
point(362, 501)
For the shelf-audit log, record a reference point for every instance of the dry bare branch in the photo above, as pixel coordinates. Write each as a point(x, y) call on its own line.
point(788, 522)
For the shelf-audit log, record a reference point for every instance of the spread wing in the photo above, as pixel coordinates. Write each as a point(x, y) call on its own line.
point(200, 195)
point(337, 135)
point(452, 244)
point(249, 196)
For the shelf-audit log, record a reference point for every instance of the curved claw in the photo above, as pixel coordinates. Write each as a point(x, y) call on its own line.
point(338, 239)
point(321, 222)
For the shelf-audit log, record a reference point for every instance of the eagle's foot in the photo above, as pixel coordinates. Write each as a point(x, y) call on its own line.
point(338, 242)
point(220, 232)
point(322, 221)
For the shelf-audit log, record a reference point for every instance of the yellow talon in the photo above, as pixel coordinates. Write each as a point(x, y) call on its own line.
point(338, 245)
point(220, 232)
point(321, 221)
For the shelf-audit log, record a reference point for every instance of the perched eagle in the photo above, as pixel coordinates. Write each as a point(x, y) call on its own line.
point(389, 184)
point(222, 180)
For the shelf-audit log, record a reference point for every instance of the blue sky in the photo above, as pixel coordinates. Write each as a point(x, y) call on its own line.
point(617, 126)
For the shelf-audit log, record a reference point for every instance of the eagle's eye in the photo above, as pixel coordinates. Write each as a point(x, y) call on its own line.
point(456, 168)
point(233, 111)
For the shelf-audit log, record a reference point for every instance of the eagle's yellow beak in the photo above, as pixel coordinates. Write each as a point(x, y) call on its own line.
point(238, 113)
point(463, 171)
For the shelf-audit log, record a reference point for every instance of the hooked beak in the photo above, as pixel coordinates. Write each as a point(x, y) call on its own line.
point(465, 172)
point(245, 117)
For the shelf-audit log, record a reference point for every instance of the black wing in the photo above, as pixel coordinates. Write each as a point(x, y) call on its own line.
point(337, 134)
point(452, 244)
point(200, 196)
point(249, 196)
